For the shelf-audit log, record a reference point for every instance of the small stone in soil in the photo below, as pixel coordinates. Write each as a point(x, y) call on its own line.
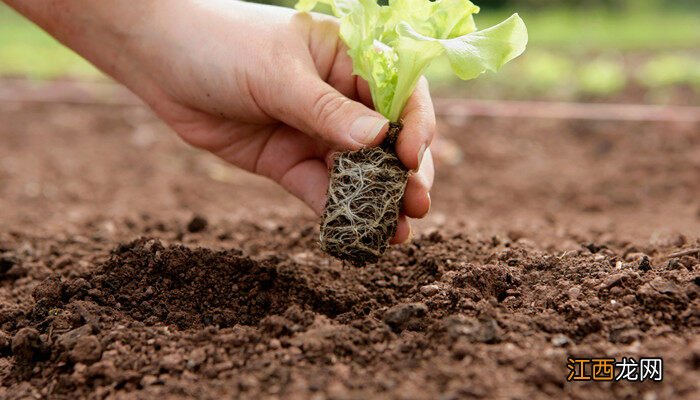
point(644, 264)
point(6, 262)
point(484, 330)
point(399, 316)
point(172, 362)
point(87, 350)
point(69, 339)
point(196, 358)
point(664, 286)
point(27, 346)
point(197, 224)
point(488, 331)
point(559, 340)
point(429, 290)
point(5, 343)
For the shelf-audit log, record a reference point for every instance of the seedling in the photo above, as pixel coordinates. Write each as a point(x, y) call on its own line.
point(390, 47)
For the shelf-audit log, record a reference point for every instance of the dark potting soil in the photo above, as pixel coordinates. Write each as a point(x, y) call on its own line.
point(159, 319)
point(539, 247)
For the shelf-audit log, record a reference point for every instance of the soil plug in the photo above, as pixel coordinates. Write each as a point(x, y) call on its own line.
point(390, 47)
point(364, 202)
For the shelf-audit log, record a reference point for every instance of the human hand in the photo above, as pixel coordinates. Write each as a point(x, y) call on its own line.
point(264, 88)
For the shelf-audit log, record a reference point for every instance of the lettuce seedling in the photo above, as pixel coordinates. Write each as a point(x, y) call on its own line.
point(390, 47)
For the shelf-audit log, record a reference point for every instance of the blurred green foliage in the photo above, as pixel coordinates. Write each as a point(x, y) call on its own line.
point(592, 48)
point(671, 69)
point(602, 77)
point(609, 4)
point(577, 31)
point(546, 71)
point(574, 26)
point(545, 74)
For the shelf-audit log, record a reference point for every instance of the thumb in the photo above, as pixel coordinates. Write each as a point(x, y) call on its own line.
point(321, 111)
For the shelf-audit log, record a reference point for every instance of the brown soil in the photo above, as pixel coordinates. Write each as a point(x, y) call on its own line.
point(132, 266)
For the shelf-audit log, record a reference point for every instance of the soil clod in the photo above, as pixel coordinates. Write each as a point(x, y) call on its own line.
point(645, 264)
point(429, 290)
point(197, 224)
point(483, 329)
point(403, 316)
point(5, 343)
point(6, 263)
point(87, 350)
point(28, 346)
point(69, 339)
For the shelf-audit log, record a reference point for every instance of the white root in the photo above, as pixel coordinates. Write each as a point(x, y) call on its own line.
point(364, 202)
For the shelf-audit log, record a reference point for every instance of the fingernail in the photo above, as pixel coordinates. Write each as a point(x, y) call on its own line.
point(421, 152)
point(366, 129)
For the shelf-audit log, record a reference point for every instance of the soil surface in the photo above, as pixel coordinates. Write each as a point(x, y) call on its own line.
point(132, 266)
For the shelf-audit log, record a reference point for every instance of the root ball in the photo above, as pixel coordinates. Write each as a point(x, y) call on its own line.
point(364, 202)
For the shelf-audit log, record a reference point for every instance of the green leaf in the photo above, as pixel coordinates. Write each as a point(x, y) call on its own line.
point(339, 7)
point(413, 59)
point(391, 46)
point(475, 53)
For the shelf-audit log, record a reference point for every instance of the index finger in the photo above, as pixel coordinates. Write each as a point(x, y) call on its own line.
point(418, 126)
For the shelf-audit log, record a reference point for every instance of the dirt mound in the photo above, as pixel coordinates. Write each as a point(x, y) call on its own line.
point(192, 288)
point(443, 300)
point(187, 288)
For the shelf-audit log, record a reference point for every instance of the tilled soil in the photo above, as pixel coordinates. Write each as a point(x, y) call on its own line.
point(132, 266)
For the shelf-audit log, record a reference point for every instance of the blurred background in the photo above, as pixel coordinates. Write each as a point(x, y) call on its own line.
point(633, 51)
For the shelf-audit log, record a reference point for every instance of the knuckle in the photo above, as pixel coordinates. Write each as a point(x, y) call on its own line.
point(327, 106)
point(199, 139)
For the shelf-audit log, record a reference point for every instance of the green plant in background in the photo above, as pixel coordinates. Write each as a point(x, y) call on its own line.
point(585, 29)
point(669, 70)
point(602, 77)
point(564, 37)
point(545, 70)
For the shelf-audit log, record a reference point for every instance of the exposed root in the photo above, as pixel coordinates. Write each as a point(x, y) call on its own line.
point(364, 202)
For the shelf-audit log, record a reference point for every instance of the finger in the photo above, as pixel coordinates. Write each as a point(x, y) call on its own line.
point(364, 93)
point(403, 231)
point(316, 108)
point(308, 180)
point(288, 157)
point(416, 199)
point(340, 75)
point(418, 127)
point(329, 158)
